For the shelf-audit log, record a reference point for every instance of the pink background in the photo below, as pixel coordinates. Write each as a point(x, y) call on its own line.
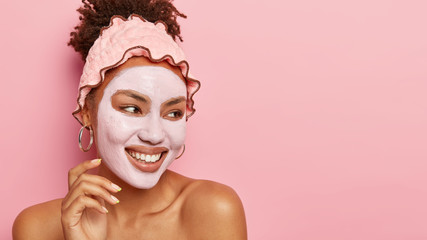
point(315, 112)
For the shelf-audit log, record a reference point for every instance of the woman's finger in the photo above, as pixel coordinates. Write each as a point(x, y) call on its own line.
point(98, 180)
point(72, 215)
point(75, 172)
point(86, 188)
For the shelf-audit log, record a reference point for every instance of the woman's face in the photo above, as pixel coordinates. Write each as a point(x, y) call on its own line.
point(140, 120)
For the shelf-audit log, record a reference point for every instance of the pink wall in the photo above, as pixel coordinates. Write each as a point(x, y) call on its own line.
point(315, 112)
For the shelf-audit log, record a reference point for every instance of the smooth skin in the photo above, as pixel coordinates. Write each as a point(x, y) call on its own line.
point(177, 207)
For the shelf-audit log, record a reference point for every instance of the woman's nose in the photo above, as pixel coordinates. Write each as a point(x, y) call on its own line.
point(153, 132)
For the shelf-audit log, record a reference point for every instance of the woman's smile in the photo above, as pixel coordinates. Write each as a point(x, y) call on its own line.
point(154, 163)
point(146, 159)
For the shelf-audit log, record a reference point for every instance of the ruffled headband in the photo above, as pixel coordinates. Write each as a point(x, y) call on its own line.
point(126, 38)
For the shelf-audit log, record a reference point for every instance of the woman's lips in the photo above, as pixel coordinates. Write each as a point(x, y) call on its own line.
point(146, 159)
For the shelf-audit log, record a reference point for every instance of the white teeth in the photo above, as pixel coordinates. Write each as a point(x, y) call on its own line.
point(155, 157)
point(147, 158)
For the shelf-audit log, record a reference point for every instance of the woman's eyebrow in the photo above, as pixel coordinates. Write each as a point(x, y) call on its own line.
point(132, 95)
point(174, 101)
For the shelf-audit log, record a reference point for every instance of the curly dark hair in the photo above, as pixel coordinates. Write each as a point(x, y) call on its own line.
point(95, 14)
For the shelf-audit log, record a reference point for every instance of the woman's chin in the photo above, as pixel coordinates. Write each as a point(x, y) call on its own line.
point(144, 184)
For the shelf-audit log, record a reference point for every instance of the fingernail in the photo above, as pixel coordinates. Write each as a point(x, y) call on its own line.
point(105, 209)
point(116, 187)
point(115, 199)
point(96, 161)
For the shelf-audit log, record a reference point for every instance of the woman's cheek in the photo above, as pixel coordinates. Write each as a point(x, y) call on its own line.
point(118, 127)
point(176, 130)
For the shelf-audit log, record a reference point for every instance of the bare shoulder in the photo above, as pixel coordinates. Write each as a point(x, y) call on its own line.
point(213, 211)
point(41, 221)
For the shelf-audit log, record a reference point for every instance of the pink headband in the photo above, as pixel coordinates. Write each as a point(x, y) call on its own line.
point(126, 38)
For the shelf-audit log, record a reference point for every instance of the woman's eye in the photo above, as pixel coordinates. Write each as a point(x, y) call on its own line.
point(131, 109)
point(176, 114)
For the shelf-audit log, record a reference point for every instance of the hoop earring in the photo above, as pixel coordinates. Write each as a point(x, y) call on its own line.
point(181, 153)
point(80, 138)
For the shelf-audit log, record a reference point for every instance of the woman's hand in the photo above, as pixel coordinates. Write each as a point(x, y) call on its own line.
point(83, 212)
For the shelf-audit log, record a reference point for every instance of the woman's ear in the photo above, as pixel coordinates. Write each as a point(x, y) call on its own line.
point(86, 116)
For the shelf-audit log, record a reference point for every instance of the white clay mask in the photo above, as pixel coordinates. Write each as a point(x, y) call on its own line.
point(142, 123)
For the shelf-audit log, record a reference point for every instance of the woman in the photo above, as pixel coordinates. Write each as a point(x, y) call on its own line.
point(135, 97)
